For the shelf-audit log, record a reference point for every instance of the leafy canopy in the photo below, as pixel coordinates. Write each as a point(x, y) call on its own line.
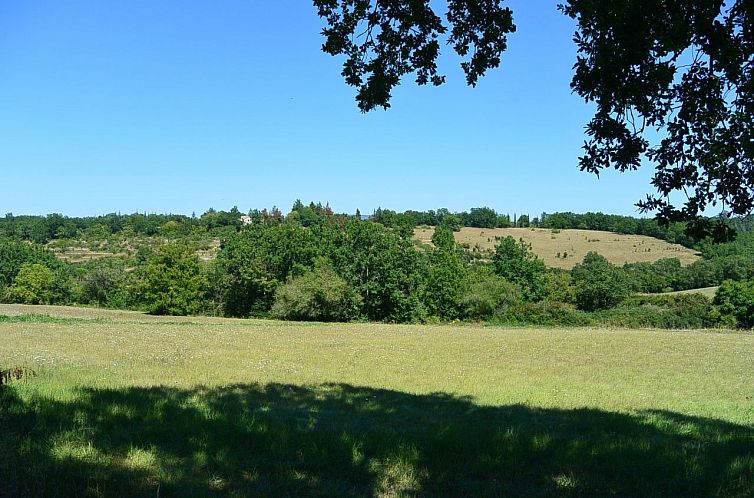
point(384, 40)
point(599, 283)
point(672, 81)
point(515, 262)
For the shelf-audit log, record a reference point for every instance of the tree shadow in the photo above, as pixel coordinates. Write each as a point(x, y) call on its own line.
point(343, 440)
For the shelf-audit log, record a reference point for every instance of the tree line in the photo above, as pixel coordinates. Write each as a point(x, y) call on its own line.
point(43, 229)
point(316, 265)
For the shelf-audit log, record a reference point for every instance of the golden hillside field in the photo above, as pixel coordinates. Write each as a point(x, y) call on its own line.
point(565, 248)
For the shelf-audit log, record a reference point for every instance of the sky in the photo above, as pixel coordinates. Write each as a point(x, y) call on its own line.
point(179, 106)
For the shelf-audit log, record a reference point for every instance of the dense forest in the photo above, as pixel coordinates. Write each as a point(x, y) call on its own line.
point(314, 264)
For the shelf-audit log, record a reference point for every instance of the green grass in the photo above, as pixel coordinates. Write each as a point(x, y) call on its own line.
point(707, 291)
point(130, 405)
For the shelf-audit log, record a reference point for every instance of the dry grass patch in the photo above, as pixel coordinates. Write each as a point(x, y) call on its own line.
point(566, 248)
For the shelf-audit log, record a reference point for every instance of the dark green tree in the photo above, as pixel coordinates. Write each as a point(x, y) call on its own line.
point(599, 283)
point(172, 282)
point(443, 239)
point(734, 303)
point(16, 253)
point(387, 39)
point(447, 278)
point(482, 217)
point(679, 70)
point(515, 262)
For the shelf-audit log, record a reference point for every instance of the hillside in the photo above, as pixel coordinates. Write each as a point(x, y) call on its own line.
point(565, 248)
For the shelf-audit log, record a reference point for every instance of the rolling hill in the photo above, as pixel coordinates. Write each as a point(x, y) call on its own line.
point(565, 248)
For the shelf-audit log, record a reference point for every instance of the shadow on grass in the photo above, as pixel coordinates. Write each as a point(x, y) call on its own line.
point(341, 440)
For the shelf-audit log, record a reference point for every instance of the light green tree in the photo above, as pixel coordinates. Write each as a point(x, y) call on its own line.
point(172, 282)
point(34, 284)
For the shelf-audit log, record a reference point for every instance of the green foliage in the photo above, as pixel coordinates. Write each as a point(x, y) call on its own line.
point(669, 311)
point(381, 265)
point(489, 296)
point(702, 273)
point(443, 239)
point(384, 268)
point(15, 253)
point(483, 217)
point(254, 261)
point(396, 280)
point(34, 284)
point(516, 262)
point(599, 283)
point(446, 282)
point(317, 295)
point(734, 304)
point(406, 41)
point(104, 282)
point(560, 287)
point(660, 276)
point(172, 282)
point(545, 313)
point(698, 110)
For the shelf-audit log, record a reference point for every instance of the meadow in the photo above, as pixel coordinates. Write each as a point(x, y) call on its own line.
point(565, 248)
point(125, 404)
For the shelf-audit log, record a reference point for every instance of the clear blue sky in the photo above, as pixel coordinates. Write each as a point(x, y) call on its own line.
point(179, 106)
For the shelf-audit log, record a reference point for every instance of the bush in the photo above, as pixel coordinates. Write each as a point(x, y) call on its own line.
point(172, 282)
point(490, 296)
point(599, 283)
point(668, 311)
point(319, 295)
point(516, 262)
point(692, 310)
point(560, 287)
point(546, 313)
point(34, 284)
point(734, 304)
point(103, 282)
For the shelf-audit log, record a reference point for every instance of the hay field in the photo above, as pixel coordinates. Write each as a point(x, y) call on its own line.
point(565, 248)
point(123, 404)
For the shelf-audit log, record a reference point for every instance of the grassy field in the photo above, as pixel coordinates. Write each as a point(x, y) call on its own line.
point(566, 248)
point(123, 404)
point(709, 292)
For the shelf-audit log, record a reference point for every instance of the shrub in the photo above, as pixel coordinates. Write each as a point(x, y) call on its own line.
point(103, 282)
point(172, 282)
point(545, 313)
point(668, 311)
point(34, 284)
point(599, 283)
point(560, 287)
point(515, 262)
point(734, 304)
point(488, 297)
point(318, 295)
